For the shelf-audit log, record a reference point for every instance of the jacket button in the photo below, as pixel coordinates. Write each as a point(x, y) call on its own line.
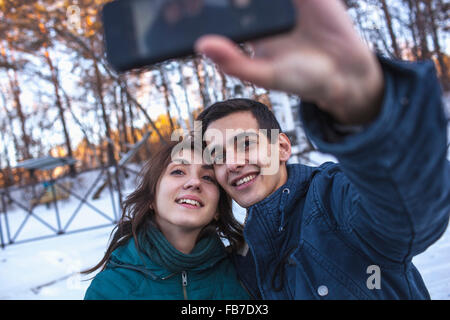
point(292, 262)
point(322, 291)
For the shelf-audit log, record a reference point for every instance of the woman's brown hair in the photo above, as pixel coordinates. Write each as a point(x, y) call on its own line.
point(137, 213)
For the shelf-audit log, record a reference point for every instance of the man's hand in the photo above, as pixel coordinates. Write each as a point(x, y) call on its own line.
point(322, 60)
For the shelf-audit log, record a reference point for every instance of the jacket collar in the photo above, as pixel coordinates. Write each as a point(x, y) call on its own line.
point(299, 177)
point(276, 208)
point(149, 260)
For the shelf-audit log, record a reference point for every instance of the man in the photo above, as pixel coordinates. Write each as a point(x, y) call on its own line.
point(338, 231)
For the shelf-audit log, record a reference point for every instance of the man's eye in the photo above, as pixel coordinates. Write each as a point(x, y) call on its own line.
point(218, 159)
point(245, 145)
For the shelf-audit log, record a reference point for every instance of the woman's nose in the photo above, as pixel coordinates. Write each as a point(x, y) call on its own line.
point(193, 183)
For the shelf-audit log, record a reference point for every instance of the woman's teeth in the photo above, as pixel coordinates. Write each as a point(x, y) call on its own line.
point(189, 201)
point(244, 180)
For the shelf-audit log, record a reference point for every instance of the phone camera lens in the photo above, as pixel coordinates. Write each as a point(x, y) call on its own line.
point(241, 4)
point(248, 21)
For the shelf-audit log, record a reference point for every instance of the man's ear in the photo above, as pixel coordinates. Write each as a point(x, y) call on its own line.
point(285, 147)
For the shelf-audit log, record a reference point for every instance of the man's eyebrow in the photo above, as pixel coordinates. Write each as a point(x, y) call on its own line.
point(242, 135)
point(213, 147)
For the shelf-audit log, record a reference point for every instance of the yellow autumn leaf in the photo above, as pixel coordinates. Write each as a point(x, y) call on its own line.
point(42, 27)
point(38, 6)
point(89, 21)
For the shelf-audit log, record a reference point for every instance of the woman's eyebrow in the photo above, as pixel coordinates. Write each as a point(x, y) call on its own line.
point(208, 167)
point(178, 161)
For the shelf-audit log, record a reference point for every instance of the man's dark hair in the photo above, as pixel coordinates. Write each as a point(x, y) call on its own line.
point(263, 115)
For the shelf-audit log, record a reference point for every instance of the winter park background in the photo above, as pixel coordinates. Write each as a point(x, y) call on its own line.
point(59, 97)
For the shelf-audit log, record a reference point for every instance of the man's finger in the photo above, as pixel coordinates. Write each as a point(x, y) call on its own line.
point(230, 58)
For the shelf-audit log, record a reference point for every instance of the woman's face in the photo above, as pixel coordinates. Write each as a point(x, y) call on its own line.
point(187, 196)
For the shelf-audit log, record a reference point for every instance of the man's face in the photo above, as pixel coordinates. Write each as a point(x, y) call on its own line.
point(246, 157)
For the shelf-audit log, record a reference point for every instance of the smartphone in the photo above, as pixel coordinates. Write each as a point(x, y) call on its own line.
point(144, 32)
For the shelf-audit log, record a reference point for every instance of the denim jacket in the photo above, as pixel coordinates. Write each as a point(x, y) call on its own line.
point(350, 230)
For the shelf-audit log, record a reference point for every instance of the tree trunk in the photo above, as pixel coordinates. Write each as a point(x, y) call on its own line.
point(170, 92)
point(15, 89)
point(437, 47)
point(422, 31)
point(166, 97)
point(123, 118)
point(388, 20)
point(99, 89)
point(186, 94)
point(121, 140)
point(55, 82)
point(414, 32)
point(200, 73)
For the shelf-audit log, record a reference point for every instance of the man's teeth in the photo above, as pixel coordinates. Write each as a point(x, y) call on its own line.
point(246, 179)
point(189, 201)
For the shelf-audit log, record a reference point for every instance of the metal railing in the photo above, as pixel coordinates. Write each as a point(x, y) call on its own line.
point(12, 203)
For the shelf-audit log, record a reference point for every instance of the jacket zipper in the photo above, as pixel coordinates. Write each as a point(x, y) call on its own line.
point(184, 283)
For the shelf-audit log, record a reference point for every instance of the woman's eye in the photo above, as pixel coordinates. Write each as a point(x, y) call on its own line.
point(209, 178)
point(177, 172)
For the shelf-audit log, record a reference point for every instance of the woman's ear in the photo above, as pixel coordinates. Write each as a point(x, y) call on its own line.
point(285, 147)
point(216, 216)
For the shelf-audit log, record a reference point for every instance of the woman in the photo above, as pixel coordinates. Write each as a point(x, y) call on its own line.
point(167, 244)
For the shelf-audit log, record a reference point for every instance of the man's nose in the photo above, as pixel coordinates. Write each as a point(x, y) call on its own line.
point(234, 166)
point(235, 161)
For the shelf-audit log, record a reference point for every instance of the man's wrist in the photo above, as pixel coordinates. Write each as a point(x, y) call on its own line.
point(359, 103)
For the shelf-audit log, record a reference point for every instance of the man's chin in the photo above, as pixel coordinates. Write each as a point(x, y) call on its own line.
point(246, 202)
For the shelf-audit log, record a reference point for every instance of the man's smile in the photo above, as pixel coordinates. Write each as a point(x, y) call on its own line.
point(245, 180)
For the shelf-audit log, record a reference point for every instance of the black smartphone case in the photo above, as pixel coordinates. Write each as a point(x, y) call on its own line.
point(130, 45)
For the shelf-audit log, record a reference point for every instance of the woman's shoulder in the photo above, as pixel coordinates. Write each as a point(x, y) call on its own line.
point(120, 276)
point(107, 284)
point(114, 283)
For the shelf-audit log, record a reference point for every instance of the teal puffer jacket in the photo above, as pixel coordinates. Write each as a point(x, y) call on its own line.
point(136, 275)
